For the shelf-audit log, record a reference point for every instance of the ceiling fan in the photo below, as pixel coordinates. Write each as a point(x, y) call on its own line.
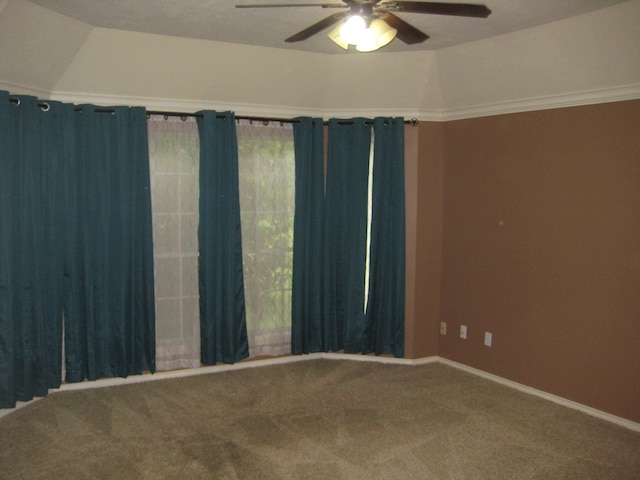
point(377, 18)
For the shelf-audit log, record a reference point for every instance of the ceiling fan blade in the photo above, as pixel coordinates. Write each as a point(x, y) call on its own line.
point(317, 27)
point(279, 5)
point(437, 8)
point(407, 33)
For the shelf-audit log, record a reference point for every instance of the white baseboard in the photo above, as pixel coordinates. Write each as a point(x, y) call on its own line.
point(111, 382)
point(374, 358)
point(623, 422)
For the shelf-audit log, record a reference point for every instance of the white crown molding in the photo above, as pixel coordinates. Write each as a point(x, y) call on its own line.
point(16, 89)
point(111, 382)
point(267, 111)
point(615, 94)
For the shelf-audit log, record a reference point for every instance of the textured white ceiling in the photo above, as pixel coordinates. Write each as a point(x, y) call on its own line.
point(219, 20)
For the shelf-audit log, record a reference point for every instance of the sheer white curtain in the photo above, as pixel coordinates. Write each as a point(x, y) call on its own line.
point(267, 199)
point(174, 158)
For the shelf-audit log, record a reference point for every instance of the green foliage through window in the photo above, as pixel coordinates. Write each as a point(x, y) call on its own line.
point(267, 195)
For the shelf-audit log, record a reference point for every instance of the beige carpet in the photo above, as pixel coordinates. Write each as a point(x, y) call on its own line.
point(320, 419)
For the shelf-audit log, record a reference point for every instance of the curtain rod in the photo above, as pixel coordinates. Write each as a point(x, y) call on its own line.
point(45, 106)
point(413, 122)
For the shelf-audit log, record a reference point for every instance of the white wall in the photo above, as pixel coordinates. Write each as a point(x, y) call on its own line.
point(36, 46)
point(390, 83)
point(170, 70)
point(591, 58)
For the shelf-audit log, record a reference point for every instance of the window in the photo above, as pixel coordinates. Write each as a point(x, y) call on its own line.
point(267, 198)
point(174, 158)
point(267, 195)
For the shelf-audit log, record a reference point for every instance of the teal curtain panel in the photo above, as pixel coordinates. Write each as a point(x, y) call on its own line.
point(32, 151)
point(384, 333)
point(349, 237)
point(75, 245)
point(346, 233)
point(109, 297)
point(308, 330)
point(223, 326)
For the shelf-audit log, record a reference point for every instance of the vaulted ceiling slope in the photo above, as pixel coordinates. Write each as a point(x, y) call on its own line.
point(586, 58)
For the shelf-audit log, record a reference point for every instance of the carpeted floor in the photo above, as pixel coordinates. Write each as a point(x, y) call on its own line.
point(320, 419)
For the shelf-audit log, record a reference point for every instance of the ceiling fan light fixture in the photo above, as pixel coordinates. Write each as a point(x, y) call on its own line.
point(377, 19)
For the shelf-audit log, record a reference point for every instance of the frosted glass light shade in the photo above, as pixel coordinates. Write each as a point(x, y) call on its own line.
point(377, 36)
point(383, 32)
point(334, 35)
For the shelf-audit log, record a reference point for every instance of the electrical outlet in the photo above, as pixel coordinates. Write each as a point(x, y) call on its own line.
point(488, 338)
point(443, 328)
point(463, 331)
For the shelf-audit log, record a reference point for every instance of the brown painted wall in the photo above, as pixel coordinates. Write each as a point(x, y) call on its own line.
point(424, 166)
point(411, 156)
point(541, 247)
